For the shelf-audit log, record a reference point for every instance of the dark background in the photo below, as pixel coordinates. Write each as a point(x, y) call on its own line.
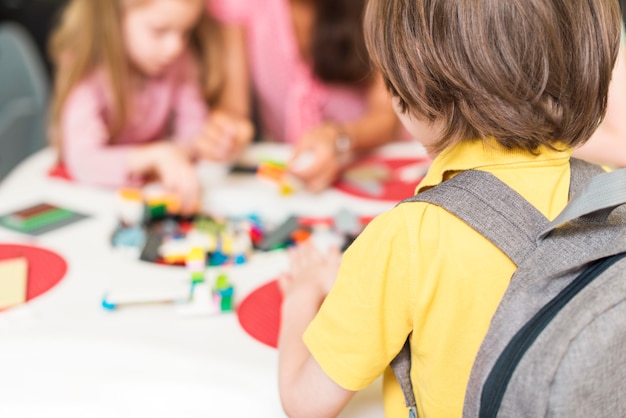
point(37, 16)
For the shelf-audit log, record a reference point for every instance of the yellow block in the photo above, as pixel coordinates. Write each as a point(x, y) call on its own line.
point(13, 277)
point(130, 194)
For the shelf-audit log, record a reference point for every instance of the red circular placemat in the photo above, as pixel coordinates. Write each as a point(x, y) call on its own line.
point(60, 171)
point(259, 313)
point(393, 189)
point(45, 268)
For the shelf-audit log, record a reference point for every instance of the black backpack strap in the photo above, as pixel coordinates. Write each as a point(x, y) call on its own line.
point(498, 213)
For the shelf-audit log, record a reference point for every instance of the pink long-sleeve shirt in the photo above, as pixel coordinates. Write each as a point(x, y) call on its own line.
point(168, 107)
point(291, 100)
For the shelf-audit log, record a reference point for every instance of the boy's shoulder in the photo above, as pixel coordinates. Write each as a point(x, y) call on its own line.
point(416, 218)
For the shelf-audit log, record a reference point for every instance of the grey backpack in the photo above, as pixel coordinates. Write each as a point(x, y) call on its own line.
point(556, 345)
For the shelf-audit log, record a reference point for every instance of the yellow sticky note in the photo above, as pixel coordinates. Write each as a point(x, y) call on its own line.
point(13, 277)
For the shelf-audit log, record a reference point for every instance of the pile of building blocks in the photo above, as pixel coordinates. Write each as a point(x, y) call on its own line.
point(155, 232)
point(152, 230)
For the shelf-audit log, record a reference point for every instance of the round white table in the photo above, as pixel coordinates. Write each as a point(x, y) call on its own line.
point(62, 355)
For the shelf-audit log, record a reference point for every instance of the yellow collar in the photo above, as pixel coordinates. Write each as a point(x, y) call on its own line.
point(479, 154)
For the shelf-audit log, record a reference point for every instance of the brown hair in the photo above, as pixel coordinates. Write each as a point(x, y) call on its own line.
point(526, 72)
point(338, 45)
point(89, 36)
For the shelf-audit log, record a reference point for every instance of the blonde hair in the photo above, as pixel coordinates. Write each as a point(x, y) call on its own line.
point(89, 36)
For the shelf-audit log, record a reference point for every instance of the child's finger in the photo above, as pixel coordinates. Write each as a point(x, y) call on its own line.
point(303, 163)
point(192, 193)
point(318, 184)
point(227, 141)
point(220, 142)
point(243, 131)
point(187, 200)
point(183, 182)
point(212, 137)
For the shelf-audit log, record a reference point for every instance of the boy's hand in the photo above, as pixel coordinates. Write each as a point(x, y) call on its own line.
point(224, 137)
point(310, 267)
point(315, 161)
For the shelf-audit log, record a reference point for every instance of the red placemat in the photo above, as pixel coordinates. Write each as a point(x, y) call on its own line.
point(45, 268)
point(60, 171)
point(259, 313)
point(390, 184)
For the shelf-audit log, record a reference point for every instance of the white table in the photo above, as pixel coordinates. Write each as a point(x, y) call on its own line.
point(62, 355)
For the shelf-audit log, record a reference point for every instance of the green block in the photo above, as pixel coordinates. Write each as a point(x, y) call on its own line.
point(226, 304)
point(157, 211)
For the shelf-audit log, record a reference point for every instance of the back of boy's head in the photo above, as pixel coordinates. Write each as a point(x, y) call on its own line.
point(526, 72)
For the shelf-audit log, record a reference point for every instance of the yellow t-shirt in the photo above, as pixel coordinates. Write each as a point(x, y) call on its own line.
point(418, 269)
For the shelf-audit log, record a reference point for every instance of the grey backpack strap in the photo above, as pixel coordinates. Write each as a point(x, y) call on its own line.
point(491, 208)
point(595, 201)
point(581, 172)
point(401, 366)
point(509, 222)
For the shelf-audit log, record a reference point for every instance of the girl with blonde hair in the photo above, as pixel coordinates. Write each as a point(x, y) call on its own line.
point(131, 91)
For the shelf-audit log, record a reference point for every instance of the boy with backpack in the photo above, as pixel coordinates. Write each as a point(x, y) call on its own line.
point(504, 87)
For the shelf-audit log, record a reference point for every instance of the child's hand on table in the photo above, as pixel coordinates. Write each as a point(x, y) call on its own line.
point(310, 268)
point(171, 164)
point(224, 137)
point(316, 161)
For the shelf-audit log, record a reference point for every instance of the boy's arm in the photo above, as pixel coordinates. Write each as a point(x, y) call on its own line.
point(305, 389)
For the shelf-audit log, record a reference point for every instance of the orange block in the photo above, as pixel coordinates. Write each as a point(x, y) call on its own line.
point(300, 235)
point(271, 171)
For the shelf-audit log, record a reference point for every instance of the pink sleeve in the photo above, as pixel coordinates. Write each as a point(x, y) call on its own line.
point(230, 11)
point(86, 152)
point(190, 109)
